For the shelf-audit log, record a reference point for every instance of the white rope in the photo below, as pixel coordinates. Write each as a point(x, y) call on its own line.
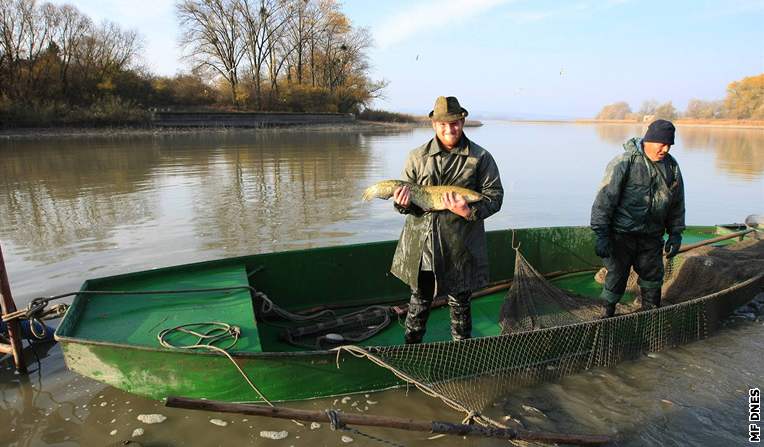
point(220, 331)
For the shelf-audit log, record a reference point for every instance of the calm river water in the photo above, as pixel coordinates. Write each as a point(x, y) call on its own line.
point(72, 209)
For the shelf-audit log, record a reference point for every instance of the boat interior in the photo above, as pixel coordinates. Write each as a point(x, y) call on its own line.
point(344, 279)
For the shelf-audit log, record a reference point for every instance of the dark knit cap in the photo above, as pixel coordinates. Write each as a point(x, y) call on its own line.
point(660, 131)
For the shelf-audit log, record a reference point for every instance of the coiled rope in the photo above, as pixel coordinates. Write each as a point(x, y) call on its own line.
point(208, 334)
point(216, 332)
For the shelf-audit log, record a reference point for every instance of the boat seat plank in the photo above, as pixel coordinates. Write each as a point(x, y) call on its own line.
point(137, 319)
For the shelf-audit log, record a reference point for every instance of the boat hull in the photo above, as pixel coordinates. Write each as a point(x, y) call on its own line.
point(157, 374)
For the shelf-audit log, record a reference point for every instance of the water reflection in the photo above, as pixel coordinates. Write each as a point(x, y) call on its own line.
point(273, 190)
point(739, 152)
point(53, 196)
point(617, 134)
point(34, 415)
point(242, 191)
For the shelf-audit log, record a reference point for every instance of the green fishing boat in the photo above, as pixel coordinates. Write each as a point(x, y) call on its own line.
point(111, 332)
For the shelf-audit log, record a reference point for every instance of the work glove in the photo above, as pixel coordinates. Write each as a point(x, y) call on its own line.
point(602, 247)
point(672, 245)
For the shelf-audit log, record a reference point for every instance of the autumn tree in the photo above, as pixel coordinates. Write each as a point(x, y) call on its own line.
point(648, 107)
point(665, 111)
point(745, 98)
point(699, 109)
point(615, 111)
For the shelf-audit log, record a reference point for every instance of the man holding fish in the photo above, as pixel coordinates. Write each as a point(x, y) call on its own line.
point(453, 186)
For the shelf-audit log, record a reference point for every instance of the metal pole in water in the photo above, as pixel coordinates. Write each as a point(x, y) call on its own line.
point(14, 329)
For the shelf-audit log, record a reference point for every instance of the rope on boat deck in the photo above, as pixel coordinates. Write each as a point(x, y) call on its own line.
point(218, 332)
point(206, 339)
point(470, 415)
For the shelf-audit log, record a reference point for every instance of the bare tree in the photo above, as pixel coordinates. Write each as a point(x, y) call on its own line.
point(699, 109)
point(102, 53)
point(23, 38)
point(648, 107)
point(212, 37)
point(301, 28)
point(262, 23)
point(72, 28)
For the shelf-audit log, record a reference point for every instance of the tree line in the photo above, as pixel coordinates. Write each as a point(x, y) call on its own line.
point(58, 66)
point(744, 101)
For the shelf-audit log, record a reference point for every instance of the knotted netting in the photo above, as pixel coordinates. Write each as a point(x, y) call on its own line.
point(472, 374)
point(533, 302)
point(703, 270)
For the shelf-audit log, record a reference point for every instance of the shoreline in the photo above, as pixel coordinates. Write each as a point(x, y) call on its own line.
point(42, 133)
point(728, 124)
point(34, 133)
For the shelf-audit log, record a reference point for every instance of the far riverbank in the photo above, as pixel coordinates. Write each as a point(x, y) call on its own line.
point(138, 131)
point(733, 124)
point(142, 131)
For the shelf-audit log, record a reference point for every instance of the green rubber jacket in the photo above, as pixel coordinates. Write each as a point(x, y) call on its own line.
point(458, 245)
point(635, 196)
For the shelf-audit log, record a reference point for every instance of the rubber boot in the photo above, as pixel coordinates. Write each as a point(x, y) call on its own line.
point(416, 317)
point(651, 298)
point(461, 316)
point(609, 310)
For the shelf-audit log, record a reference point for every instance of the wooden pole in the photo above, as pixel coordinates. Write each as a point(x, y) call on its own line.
point(388, 422)
point(740, 234)
point(14, 329)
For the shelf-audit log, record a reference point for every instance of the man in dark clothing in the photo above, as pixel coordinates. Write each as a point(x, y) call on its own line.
point(444, 252)
point(640, 198)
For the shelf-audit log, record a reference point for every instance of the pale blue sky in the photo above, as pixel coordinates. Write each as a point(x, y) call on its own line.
point(523, 58)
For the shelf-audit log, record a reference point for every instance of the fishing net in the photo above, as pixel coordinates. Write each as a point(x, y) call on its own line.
point(703, 270)
point(472, 374)
point(532, 302)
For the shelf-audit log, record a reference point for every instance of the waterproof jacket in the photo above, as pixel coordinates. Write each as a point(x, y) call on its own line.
point(458, 245)
point(636, 196)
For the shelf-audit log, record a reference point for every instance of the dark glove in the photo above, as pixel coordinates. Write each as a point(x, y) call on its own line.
point(672, 245)
point(602, 247)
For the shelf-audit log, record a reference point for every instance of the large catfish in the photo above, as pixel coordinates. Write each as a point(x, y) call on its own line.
point(429, 198)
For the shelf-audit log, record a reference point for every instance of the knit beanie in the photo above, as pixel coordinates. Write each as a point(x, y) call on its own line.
point(660, 131)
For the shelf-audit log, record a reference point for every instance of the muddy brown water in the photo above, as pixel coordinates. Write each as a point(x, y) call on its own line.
point(78, 208)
